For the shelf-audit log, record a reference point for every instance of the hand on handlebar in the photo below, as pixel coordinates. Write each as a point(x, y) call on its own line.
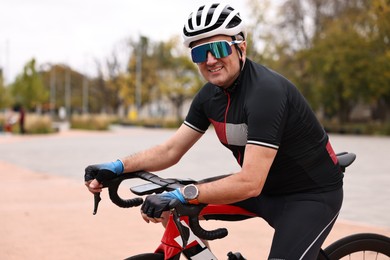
point(96, 174)
point(155, 205)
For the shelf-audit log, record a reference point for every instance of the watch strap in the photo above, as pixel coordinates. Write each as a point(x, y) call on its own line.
point(193, 201)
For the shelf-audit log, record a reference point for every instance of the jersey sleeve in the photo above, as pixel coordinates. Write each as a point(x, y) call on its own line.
point(196, 117)
point(267, 112)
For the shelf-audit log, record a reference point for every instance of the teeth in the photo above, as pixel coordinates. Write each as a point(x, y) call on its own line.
point(215, 70)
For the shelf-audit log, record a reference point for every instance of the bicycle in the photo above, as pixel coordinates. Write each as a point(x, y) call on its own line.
point(183, 234)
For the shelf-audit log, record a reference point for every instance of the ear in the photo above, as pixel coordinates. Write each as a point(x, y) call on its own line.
point(242, 47)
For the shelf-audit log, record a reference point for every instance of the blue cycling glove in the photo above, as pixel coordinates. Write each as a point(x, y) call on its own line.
point(155, 205)
point(103, 171)
point(116, 167)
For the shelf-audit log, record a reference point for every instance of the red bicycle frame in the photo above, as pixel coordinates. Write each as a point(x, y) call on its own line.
point(173, 243)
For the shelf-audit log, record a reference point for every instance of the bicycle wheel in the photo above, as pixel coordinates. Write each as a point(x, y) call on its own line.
point(148, 256)
point(360, 246)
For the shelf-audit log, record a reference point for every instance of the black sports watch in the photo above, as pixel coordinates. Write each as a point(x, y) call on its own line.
point(190, 193)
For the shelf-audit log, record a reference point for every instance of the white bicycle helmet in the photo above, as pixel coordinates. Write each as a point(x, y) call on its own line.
point(210, 20)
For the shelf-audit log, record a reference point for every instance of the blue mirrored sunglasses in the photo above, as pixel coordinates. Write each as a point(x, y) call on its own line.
point(219, 49)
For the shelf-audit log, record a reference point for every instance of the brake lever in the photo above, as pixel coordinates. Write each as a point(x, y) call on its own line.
point(113, 185)
point(96, 199)
point(183, 231)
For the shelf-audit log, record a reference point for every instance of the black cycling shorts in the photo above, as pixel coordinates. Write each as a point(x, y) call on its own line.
point(301, 221)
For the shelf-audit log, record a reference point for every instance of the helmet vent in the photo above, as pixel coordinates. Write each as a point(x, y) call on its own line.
point(234, 22)
point(198, 16)
point(190, 24)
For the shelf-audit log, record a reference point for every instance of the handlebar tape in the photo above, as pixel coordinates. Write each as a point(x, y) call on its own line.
point(206, 234)
point(113, 186)
point(189, 210)
point(192, 211)
point(124, 203)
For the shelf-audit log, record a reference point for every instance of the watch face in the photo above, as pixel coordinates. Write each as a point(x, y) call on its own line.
point(190, 192)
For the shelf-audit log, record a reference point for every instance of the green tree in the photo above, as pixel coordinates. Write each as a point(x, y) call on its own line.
point(179, 78)
point(64, 87)
point(117, 82)
point(5, 97)
point(161, 70)
point(378, 74)
point(101, 92)
point(337, 52)
point(349, 60)
point(28, 89)
point(339, 66)
point(142, 71)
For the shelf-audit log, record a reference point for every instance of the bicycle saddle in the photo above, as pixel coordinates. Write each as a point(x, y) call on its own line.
point(345, 159)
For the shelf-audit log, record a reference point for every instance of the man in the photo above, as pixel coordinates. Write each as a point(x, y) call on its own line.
point(289, 173)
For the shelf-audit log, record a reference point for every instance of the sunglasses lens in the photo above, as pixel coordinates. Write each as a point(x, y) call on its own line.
point(199, 53)
point(218, 50)
point(221, 49)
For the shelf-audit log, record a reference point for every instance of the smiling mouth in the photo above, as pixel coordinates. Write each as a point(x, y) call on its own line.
point(215, 70)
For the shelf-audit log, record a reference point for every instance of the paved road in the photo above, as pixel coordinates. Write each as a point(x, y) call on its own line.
point(367, 181)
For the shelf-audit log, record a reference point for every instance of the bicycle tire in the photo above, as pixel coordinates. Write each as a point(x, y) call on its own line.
point(147, 256)
point(364, 243)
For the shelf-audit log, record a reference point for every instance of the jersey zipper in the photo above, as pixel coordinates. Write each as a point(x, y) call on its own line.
point(227, 108)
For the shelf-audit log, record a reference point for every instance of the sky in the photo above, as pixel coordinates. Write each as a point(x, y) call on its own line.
point(76, 32)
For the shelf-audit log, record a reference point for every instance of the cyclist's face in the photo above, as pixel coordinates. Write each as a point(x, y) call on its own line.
point(223, 71)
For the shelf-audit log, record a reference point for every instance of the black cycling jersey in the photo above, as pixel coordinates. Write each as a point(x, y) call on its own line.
point(264, 108)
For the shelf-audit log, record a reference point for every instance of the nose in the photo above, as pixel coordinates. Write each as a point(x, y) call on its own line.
point(210, 58)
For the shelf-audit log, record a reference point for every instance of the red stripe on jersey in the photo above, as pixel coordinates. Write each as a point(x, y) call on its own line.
point(332, 154)
point(220, 129)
